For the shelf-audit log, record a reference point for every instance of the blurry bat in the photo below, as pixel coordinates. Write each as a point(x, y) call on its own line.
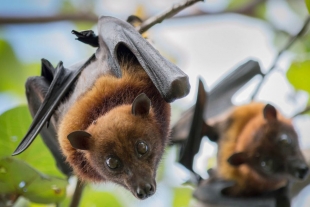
point(258, 149)
point(111, 113)
point(258, 156)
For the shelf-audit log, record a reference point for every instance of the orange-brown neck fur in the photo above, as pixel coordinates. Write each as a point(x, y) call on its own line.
point(237, 135)
point(107, 93)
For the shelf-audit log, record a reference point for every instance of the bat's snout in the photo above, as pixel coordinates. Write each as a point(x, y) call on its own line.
point(301, 171)
point(145, 190)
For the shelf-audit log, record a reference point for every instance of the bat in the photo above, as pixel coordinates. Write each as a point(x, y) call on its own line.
point(249, 136)
point(248, 166)
point(110, 113)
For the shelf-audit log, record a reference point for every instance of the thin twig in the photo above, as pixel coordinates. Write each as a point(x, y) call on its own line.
point(307, 109)
point(247, 9)
point(291, 41)
point(77, 193)
point(164, 15)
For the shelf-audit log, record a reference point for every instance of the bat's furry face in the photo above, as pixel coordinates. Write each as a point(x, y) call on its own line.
point(274, 152)
point(124, 146)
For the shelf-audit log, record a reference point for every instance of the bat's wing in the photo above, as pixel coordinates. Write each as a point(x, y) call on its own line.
point(219, 100)
point(116, 35)
point(57, 84)
point(190, 147)
point(210, 193)
point(220, 96)
point(36, 90)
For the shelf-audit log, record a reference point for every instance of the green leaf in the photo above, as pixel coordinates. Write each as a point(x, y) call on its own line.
point(182, 196)
point(299, 75)
point(14, 125)
point(13, 73)
point(260, 10)
point(234, 4)
point(308, 5)
point(92, 197)
point(19, 178)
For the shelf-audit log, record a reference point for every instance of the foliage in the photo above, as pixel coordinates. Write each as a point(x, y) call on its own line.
point(308, 5)
point(42, 184)
point(14, 125)
point(9, 65)
point(298, 74)
point(18, 178)
point(93, 197)
point(182, 196)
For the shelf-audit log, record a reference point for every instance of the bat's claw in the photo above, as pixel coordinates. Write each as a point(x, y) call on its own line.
point(211, 190)
point(87, 37)
point(134, 20)
point(210, 193)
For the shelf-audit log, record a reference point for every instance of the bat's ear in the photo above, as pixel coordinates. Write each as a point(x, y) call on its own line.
point(141, 105)
point(47, 70)
point(270, 113)
point(80, 140)
point(237, 159)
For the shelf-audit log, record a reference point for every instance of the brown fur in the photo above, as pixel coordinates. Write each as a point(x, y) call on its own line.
point(105, 112)
point(237, 135)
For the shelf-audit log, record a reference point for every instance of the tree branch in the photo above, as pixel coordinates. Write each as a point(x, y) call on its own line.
point(37, 20)
point(290, 42)
point(247, 9)
point(164, 15)
point(77, 193)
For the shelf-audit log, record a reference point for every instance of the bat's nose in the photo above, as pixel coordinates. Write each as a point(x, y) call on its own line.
point(301, 171)
point(145, 190)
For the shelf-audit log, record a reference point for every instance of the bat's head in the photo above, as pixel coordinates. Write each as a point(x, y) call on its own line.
point(124, 146)
point(274, 152)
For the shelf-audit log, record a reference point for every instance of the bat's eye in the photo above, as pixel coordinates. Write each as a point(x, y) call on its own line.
point(142, 148)
point(285, 139)
point(267, 165)
point(113, 163)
